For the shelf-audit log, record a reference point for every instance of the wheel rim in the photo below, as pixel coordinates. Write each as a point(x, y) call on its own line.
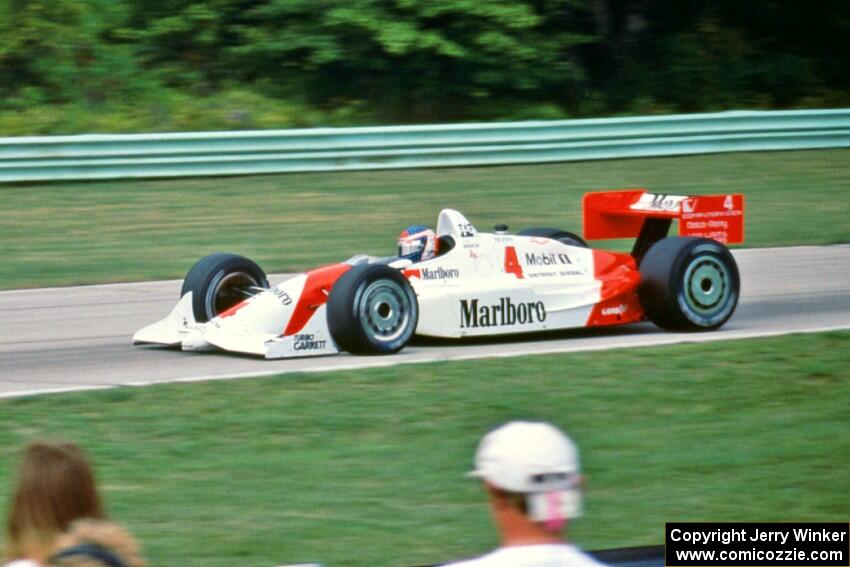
point(229, 290)
point(385, 311)
point(707, 286)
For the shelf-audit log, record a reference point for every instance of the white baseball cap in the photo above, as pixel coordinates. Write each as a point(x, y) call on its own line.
point(527, 457)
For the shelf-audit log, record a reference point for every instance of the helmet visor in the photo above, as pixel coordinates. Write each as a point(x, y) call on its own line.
point(411, 246)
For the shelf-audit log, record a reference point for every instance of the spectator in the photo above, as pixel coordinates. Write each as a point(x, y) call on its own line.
point(55, 486)
point(530, 472)
point(95, 543)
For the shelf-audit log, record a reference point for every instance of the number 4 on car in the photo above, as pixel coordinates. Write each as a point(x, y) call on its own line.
point(473, 283)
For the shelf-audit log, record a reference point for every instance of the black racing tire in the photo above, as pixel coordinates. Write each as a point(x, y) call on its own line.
point(372, 309)
point(689, 284)
point(220, 281)
point(556, 234)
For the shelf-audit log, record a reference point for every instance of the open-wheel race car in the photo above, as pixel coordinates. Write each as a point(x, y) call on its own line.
point(475, 283)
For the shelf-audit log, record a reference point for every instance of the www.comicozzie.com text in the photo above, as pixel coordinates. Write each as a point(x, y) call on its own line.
point(740, 535)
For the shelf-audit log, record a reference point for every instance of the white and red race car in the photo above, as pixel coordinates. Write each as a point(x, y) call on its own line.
point(479, 283)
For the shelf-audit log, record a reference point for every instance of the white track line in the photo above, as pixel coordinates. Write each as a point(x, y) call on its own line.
point(627, 342)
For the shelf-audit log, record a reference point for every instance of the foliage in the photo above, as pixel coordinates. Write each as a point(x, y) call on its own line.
point(401, 61)
point(727, 54)
point(407, 58)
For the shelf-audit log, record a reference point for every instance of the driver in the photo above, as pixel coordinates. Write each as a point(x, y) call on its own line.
point(417, 243)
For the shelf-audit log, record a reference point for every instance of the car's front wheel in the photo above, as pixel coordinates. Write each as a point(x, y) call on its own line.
point(689, 284)
point(220, 281)
point(372, 309)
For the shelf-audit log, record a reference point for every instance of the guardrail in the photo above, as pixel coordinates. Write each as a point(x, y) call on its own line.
point(325, 149)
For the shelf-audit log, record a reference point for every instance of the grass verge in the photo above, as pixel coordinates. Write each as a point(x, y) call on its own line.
point(366, 467)
point(75, 233)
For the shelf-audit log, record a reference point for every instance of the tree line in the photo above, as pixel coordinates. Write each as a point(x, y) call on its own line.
point(195, 64)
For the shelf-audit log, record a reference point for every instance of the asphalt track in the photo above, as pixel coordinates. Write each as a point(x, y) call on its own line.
point(77, 338)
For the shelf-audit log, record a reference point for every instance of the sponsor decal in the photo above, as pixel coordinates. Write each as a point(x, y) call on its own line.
point(720, 217)
point(712, 224)
point(433, 273)
point(658, 202)
point(285, 298)
point(546, 259)
point(308, 341)
point(615, 309)
point(713, 214)
point(554, 274)
point(505, 313)
point(466, 230)
point(439, 273)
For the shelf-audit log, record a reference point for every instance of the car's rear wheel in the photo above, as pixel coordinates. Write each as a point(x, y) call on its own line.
point(564, 236)
point(220, 281)
point(689, 284)
point(372, 309)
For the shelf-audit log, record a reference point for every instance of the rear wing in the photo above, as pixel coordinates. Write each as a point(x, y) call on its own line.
point(647, 216)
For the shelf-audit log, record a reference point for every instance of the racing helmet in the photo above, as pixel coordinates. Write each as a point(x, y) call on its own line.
point(417, 243)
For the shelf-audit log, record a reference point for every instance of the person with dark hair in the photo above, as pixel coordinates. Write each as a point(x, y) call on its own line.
point(55, 486)
point(95, 543)
point(531, 474)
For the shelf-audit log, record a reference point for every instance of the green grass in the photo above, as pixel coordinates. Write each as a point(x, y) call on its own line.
point(366, 467)
point(73, 233)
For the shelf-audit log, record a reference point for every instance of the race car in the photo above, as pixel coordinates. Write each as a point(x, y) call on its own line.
point(476, 284)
